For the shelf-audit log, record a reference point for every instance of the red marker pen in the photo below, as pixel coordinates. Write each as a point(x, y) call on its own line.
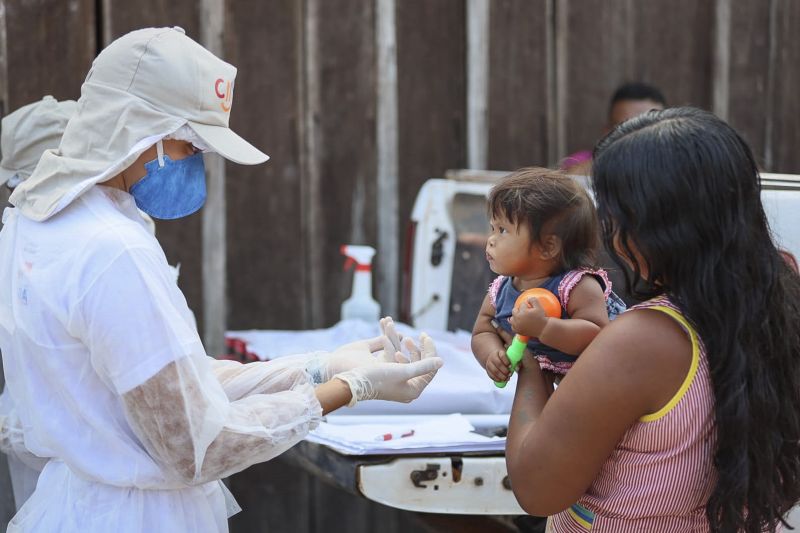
point(395, 435)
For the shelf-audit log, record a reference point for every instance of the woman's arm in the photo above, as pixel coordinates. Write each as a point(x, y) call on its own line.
point(587, 311)
point(556, 447)
point(333, 394)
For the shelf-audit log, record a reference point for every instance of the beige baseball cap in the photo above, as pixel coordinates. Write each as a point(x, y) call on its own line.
point(27, 132)
point(142, 87)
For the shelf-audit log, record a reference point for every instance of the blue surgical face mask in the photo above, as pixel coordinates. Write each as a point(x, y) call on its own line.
point(171, 189)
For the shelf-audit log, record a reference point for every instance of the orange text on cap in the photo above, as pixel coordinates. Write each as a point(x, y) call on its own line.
point(226, 96)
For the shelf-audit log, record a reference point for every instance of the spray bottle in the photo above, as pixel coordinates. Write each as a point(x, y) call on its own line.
point(360, 305)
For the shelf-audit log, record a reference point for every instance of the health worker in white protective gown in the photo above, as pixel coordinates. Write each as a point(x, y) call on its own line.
point(101, 357)
point(24, 135)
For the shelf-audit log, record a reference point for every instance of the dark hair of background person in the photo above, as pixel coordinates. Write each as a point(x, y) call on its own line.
point(549, 202)
point(637, 91)
point(682, 188)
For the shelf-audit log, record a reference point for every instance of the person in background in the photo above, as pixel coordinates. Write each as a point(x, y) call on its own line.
point(629, 100)
point(683, 414)
point(24, 135)
point(107, 371)
point(27, 132)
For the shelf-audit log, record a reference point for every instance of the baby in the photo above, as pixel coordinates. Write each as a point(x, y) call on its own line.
point(544, 233)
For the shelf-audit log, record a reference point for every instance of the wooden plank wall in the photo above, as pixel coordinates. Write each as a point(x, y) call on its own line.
point(267, 278)
point(519, 88)
point(346, 141)
point(663, 42)
point(307, 94)
point(784, 115)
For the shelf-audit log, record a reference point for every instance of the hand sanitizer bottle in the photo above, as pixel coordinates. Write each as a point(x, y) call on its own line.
point(360, 305)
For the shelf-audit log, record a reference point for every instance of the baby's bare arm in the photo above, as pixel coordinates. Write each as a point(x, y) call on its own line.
point(588, 314)
point(485, 339)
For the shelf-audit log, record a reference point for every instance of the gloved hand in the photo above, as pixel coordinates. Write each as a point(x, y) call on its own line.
point(400, 381)
point(384, 348)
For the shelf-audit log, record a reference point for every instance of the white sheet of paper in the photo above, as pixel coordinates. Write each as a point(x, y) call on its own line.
point(432, 434)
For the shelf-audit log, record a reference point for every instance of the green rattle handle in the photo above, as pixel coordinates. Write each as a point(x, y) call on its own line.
point(514, 353)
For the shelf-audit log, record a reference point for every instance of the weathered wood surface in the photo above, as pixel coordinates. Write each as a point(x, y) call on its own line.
point(267, 266)
point(50, 46)
point(431, 78)
point(784, 114)
point(748, 73)
point(663, 42)
point(518, 84)
point(349, 203)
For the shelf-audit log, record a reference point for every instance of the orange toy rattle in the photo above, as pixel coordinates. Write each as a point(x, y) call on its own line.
point(552, 308)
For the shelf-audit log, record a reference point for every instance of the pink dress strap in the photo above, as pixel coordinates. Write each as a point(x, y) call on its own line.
point(573, 277)
point(494, 287)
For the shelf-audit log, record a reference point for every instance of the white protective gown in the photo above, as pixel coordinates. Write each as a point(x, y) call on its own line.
point(111, 381)
point(23, 466)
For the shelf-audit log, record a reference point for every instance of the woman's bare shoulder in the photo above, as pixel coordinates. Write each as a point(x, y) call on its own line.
point(647, 348)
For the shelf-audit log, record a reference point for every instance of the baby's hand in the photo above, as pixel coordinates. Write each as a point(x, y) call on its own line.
point(529, 320)
point(497, 366)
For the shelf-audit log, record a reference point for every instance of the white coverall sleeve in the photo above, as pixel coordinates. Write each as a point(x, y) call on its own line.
point(134, 320)
point(239, 380)
point(181, 438)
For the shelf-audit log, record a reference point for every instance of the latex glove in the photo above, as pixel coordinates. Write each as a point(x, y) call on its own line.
point(399, 381)
point(383, 348)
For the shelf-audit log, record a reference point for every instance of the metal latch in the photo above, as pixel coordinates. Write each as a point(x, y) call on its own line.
point(430, 473)
point(437, 248)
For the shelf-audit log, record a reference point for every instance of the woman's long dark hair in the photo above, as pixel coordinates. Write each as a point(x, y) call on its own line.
point(681, 187)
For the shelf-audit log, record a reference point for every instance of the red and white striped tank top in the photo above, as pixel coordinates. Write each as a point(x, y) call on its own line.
point(661, 474)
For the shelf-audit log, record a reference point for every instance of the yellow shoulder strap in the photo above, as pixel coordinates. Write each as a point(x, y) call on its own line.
point(687, 381)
